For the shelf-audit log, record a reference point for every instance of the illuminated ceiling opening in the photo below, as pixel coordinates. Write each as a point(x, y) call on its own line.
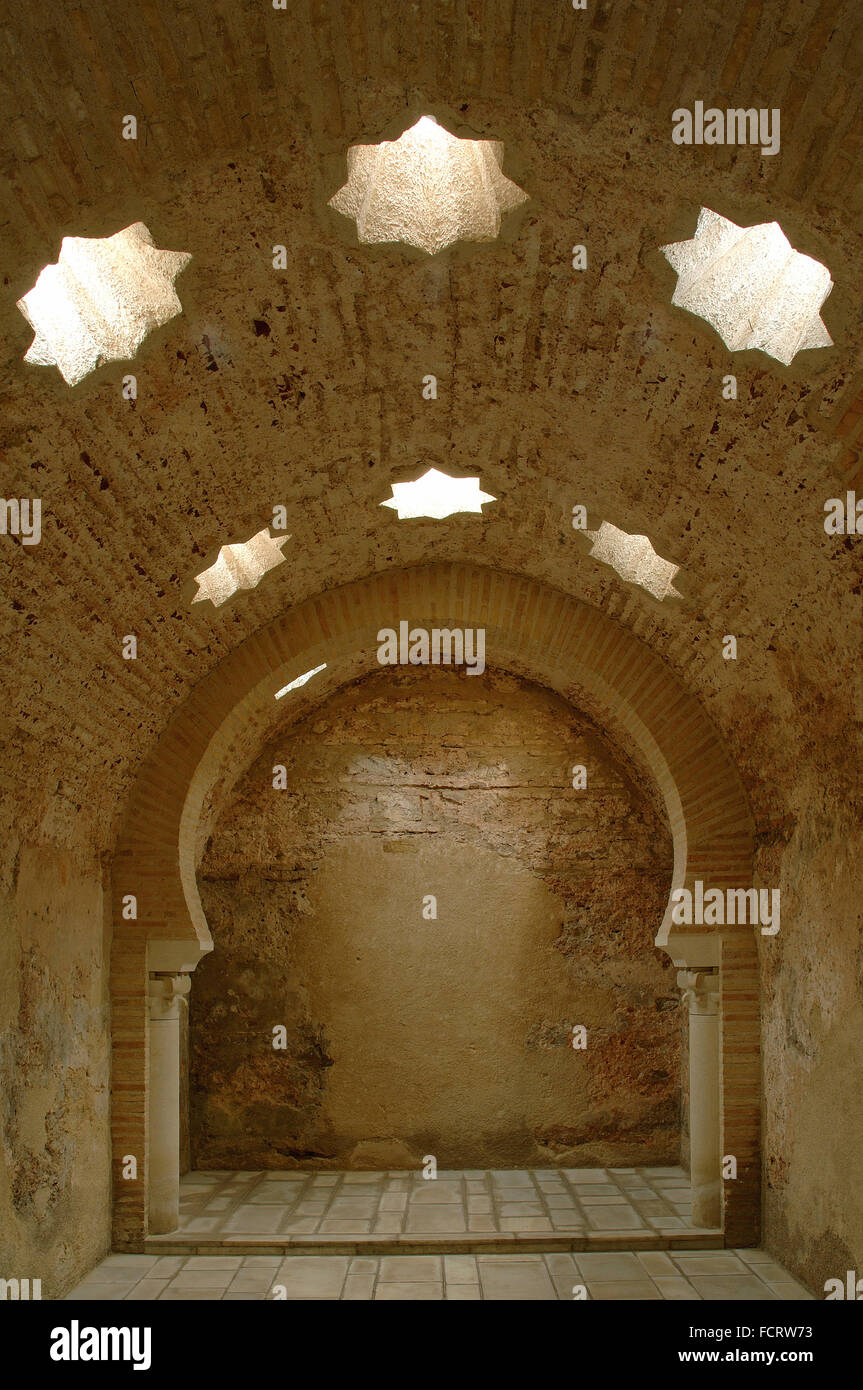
point(634, 559)
point(300, 680)
point(100, 299)
point(437, 495)
point(428, 188)
point(751, 286)
point(239, 566)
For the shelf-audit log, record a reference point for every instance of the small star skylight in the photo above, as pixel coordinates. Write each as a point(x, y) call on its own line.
point(634, 559)
point(751, 286)
point(428, 188)
point(239, 566)
point(100, 300)
point(437, 495)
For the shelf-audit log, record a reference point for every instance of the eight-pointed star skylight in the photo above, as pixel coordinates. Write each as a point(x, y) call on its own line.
point(752, 286)
point(239, 566)
point(100, 299)
point(428, 188)
point(634, 559)
point(437, 495)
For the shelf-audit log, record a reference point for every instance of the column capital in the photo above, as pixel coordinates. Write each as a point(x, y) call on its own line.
point(700, 990)
point(165, 992)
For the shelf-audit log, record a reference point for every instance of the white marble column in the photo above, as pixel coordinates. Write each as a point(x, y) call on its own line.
point(701, 992)
point(166, 991)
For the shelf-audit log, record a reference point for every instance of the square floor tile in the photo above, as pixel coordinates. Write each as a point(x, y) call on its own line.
point(516, 1280)
point(613, 1218)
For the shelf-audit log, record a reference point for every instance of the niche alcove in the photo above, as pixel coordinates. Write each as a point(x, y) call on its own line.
point(534, 632)
point(409, 885)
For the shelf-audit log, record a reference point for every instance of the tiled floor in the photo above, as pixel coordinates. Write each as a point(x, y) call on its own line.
point(355, 1204)
point(710, 1274)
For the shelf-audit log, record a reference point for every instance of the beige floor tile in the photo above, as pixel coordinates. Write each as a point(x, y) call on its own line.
point(436, 1194)
point(173, 1294)
point(253, 1281)
point(514, 1194)
point(677, 1290)
point(388, 1224)
point(359, 1288)
point(730, 1286)
point(460, 1269)
point(256, 1220)
point(141, 1263)
point(790, 1291)
point(273, 1196)
point(313, 1276)
point(612, 1218)
point(346, 1210)
point(462, 1293)
point(167, 1265)
point(604, 1266)
point(563, 1273)
point(393, 1201)
point(656, 1262)
point(94, 1293)
point(516, 1279)
point(147, 1290)
point(108, 1275)
point(708, 1262)
point(444, 1220)
point(408, 1293)
point(406, 1268)
point(642, 1291)
point(203, 1278)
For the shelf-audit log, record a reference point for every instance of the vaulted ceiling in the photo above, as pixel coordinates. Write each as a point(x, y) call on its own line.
point(303, 387)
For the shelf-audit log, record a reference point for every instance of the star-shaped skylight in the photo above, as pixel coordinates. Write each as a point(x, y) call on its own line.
point(437, 495)
point(239, 566)
point(301, 680)
point(428, 188)
point(634, 559)
point(100, 299)
point(752, 286)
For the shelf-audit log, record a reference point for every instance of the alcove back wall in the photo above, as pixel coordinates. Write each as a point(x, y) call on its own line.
point(408, 1034)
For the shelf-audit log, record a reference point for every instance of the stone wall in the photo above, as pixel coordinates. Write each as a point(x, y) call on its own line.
point(55, 1177)
point(812, 1026)
point(452, 1036)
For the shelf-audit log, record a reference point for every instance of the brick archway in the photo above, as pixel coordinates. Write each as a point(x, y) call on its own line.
point(531, 629)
